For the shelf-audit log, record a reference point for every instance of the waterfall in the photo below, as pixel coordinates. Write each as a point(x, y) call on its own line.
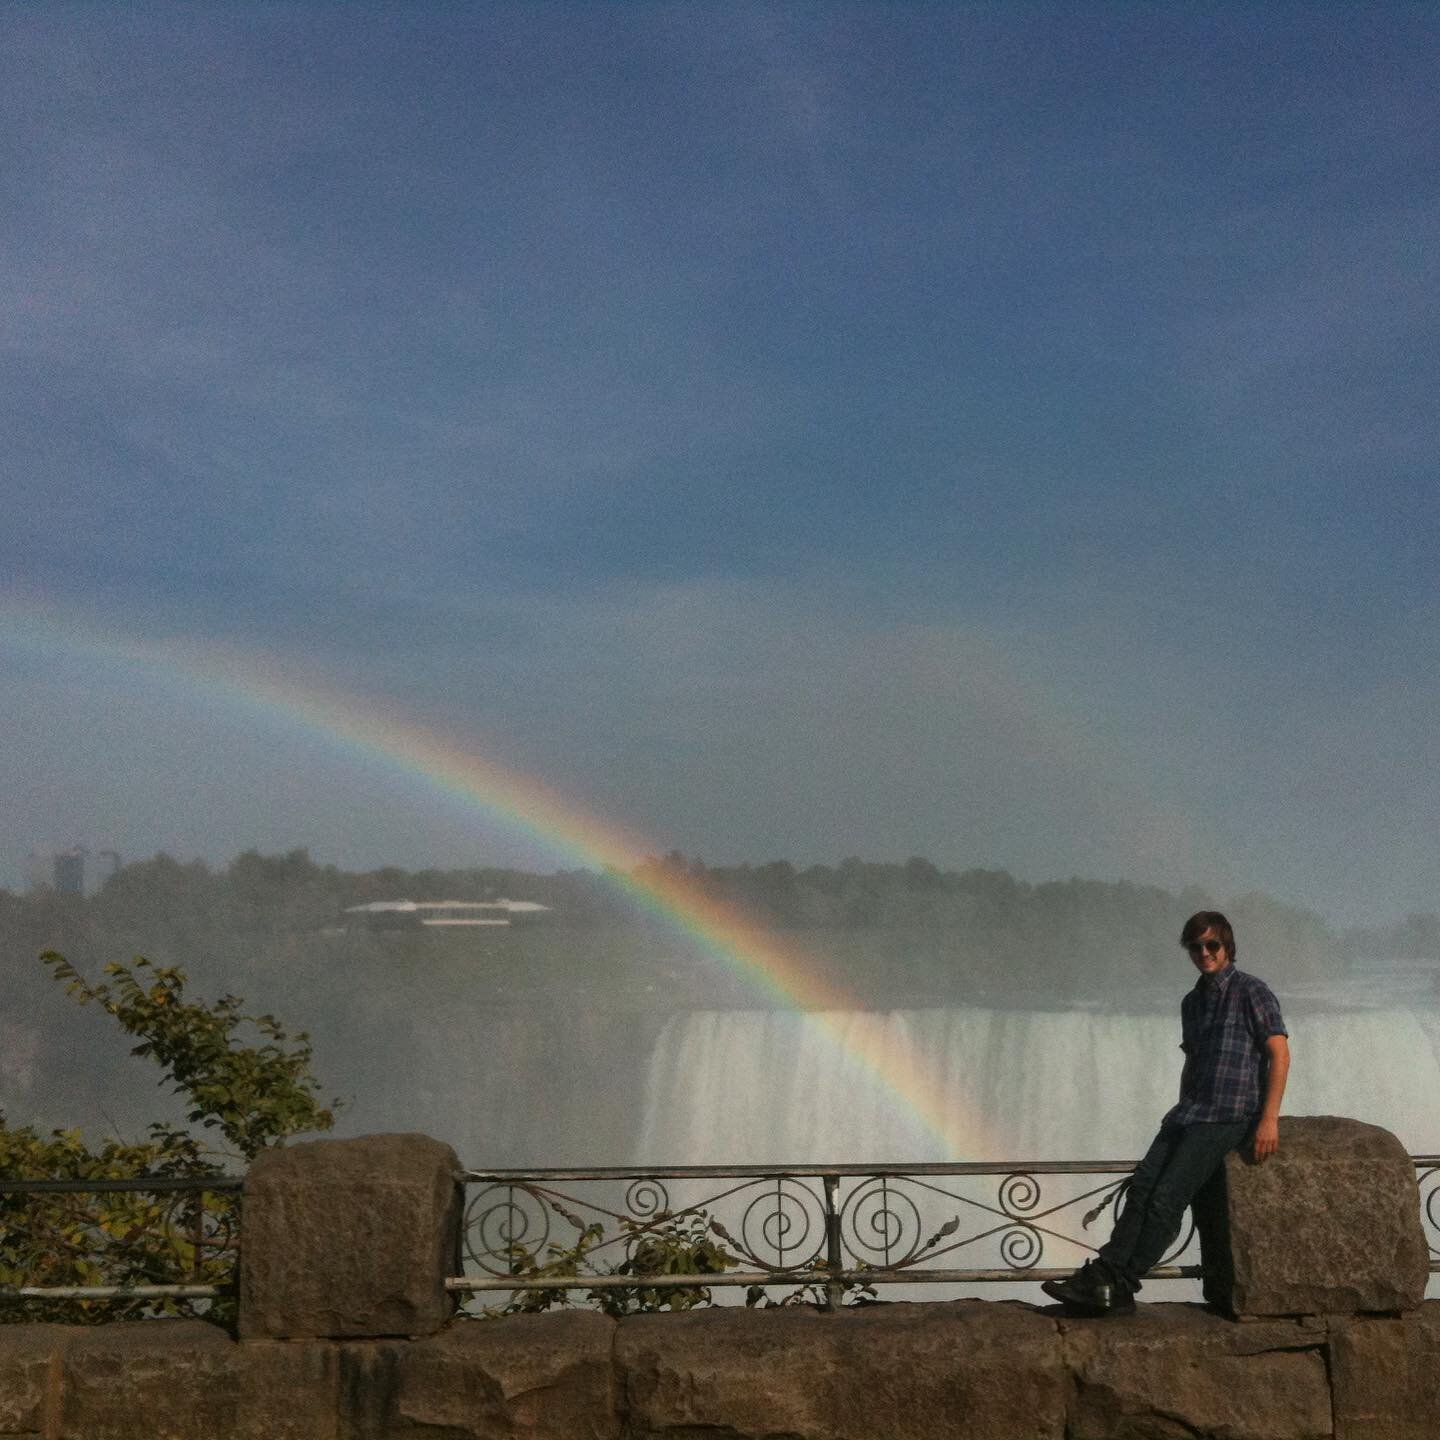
point(773, 1087)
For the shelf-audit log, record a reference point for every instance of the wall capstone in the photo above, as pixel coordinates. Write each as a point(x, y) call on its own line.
point(349, 1238)
point(1328, 1225)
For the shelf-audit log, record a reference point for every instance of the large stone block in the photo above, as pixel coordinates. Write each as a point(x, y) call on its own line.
point(1386, 1376)
point(968, 1370)
point(186, 1380)
point(350, 1238)
point(1330, 1224)
point(1181, 1370)
point(29, 1389)
point(521, 1377)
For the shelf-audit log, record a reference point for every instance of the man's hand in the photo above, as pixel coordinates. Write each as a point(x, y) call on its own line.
point(1267, 1139)
point(1267, 1128)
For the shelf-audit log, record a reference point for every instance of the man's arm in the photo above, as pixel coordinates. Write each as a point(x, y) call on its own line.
point(1267, 1128)
point(1185, 1079)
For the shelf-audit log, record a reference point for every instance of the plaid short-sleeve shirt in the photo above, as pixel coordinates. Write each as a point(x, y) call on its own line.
point(1225, 1021)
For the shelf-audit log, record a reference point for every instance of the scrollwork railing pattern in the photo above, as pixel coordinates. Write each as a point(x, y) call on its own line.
point(1427, 1176)
point(921, 1224)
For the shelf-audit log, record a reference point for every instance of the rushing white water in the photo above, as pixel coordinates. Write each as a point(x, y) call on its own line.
point(755, 1087)
point(743, 1087)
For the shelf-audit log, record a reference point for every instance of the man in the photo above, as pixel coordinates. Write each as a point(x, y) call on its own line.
point(1237, 1057)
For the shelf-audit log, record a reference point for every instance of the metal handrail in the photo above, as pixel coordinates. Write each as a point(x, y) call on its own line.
point(775, 1172)
point(888, 1167)
point(141, 1184)
point(138, 1184)
point(832, 1273)
point(824, 1264)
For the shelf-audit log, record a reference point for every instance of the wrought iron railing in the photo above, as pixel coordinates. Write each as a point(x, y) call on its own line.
point(1427, 1177)
point(151, 1238)
point(827, 1227)
point(175, 1238)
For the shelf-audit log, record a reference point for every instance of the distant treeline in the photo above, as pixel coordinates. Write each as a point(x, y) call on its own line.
point(910, 927)
point(599, 971)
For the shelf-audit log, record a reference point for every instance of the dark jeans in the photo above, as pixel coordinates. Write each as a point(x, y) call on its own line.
point(1174, 1170)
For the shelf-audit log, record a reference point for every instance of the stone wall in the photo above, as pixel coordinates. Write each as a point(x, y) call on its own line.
point(1316, 1264)
point(969, 1369)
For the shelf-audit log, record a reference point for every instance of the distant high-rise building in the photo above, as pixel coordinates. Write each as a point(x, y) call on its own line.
point(70, 871)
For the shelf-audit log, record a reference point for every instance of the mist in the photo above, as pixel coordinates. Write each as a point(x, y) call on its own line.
point(581, 1030)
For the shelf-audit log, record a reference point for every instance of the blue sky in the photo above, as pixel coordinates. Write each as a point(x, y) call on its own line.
point(1000, 433)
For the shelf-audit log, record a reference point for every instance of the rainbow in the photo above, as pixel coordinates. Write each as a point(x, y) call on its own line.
point(369, 730)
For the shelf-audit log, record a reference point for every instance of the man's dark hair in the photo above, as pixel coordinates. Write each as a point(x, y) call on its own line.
point(1203, 920)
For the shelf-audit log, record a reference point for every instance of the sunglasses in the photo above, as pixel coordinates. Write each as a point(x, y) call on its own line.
point(1210, 947)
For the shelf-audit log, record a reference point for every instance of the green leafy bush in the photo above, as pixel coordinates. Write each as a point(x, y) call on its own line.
point(684, 1244)
point(255, 1094)
point(689, 1243)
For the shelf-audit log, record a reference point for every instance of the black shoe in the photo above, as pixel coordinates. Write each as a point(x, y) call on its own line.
point(1091, 1290)
point(1118, 1301)
point(1081, 1288)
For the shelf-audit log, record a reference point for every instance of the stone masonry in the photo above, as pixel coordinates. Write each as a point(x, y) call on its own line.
point(961, 1370)
point(350, 1238)
point(347, 1333)
point(1329, 1225)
